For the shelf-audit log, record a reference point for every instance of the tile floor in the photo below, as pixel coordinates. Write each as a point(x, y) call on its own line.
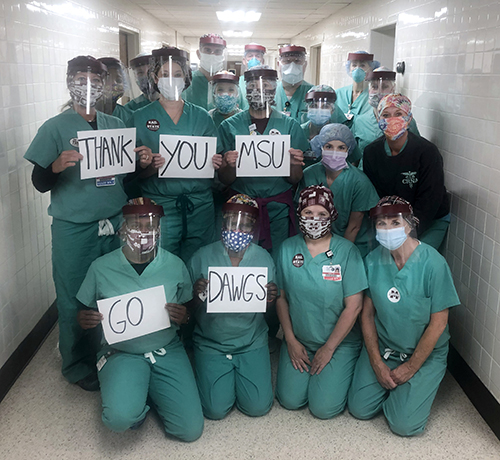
point(43, 417)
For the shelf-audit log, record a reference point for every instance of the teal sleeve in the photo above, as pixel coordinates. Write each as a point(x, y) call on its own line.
point(185, 289)
point(413, 127)
point(87, 294)
point(194, 267)
point(279, 268)
point(225, 138)
point(355, 155)
point(44, 148)
point(365, 196)
point(298, 138)
point(354, 276)
point(441, 288)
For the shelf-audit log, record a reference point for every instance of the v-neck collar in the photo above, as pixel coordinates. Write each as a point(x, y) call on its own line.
point(319, 258)
point(132, 270)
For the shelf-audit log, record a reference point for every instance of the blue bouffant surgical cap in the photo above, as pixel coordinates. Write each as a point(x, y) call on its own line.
point(333, 132)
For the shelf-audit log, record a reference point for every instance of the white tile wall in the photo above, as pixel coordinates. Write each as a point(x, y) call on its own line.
point(452, 55)
point(36, 41)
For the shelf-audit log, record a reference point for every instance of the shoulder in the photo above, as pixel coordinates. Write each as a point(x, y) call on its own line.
point(263, 255)
point(374, 256)
point(196, 109)
point(106, 260)
point(312, 171)
point(110, 121)
point(424, 147)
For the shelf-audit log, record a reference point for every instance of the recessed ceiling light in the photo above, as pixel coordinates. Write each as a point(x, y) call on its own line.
point(237, 33)
point(238, 16)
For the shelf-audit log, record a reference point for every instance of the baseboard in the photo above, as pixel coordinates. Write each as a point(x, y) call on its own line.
point(21, 357)
point(485, 403)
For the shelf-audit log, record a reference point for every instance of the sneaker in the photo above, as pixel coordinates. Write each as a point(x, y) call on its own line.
point(89, 383)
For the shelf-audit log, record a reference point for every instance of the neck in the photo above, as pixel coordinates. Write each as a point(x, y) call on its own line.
point(259, 114)
point(358, 87)
point(403, 253)
point(320, 243)
point(206, 73)
point(290, 89)
point(135, 258)
point(397, 145)
point(171, 105)
point(331, 175)
point(235, 257)
point(80, 110)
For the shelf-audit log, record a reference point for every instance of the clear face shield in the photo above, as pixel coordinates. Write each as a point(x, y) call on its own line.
point(171, 75)
point(140, 235)
point(116, 85)
point(261, 93)
point(394, 224)
point(292, 67)
point(319, 112)
point(379, 88)
point(239, 229)
point(358, 70)
point(253, 58)
point(213, 58)
point(224, 96)
point(85, 89)
point(141, 77)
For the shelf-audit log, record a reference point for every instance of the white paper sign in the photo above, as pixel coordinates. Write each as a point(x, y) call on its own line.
point(263, 156)
point(187, 156)
point(106, 152)
point(133, 315)
point(237, 290)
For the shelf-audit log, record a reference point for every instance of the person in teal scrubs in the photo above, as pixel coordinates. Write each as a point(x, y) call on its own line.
point(153, 366)
point(116, 84)
point(404, 323)
point(254, 54)
point(85, 213)
point(353, 99)
point(274, 194)
point(140, 67)
point(225, 95)
point(381, 82)
point(322, 110)
point(188, 203)
point(322, 278)
point(231, 350)
point(353, 192)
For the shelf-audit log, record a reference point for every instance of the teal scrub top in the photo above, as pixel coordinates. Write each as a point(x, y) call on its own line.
point(138, 103)
point(229, 332)
point(422, 287)
point(73, 199)
point(197, 92)
point(356, 108)
point(218, 117)
point(315, 304)
point(352, 192)
point(297, 104)
point(260, 187)
point(194, 121)
point(122, 112)
point(243, 93)
point(112, 275)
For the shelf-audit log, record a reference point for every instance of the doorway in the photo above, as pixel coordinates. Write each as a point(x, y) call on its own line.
point(382, 43)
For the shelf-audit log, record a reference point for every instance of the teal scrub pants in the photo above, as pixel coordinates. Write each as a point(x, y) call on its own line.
point(128, 379)
point(74, 248)
point(188, 224)
point(408, 406)
point(326, 393)
point(243, 378)
point(435, 234)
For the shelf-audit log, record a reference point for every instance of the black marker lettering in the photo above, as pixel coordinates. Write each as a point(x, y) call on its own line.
point(211, 286)
point(248, 150)
point(199, 168)
point(180, 152)
point(124, 151)
point(172, 155)
point(141, 315)
point(118, 322)
point(263, 287)
point(115, 149)
point(106, 150)
point(87, 148)
point(282, 155)
point(266, 153)
point(245, 297)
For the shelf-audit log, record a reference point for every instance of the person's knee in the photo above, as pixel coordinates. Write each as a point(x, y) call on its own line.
point(402, 425)
point(360, 408)
point(119, 420)
point(214, 412)
point(325, 411)
point(290, 402)
point(256, 408)
point(192, 431)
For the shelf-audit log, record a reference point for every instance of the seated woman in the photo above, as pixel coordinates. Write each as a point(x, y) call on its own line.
point(406, 165)
point(404, 322)
point(354, 193)
point(322, 279)
point(231, 352)
point(153, 365)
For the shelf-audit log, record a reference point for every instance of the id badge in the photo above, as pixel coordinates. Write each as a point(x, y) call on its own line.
point(101, 363)
point(107, 181)
point(332, 273)
point(349, 116)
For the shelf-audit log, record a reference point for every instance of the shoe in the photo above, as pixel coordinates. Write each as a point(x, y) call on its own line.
point(89, 383)
point(138, 424)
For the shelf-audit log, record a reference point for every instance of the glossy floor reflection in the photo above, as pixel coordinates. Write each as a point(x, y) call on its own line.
point(43, 417)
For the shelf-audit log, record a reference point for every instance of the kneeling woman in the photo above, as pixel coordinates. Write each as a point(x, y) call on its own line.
point(231, 353)
point(404, 323)
point(322, 279)
point(153, 365)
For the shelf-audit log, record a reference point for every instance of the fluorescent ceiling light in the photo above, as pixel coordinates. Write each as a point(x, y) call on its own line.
point(237, 33)
point(238, 16)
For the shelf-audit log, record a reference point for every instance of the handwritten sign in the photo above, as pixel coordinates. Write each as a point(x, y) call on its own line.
point(263, 156)
point(237, 290)
point(133, 315)
point(106, 152)
point(187, 156)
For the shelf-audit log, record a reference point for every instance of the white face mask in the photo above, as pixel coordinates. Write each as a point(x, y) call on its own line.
point(212, 63)
point(292, 73)
point(171, 88)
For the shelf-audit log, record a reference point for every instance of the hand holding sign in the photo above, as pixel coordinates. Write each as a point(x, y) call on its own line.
point(67, 159)
point(133, 315)
point(263, 156)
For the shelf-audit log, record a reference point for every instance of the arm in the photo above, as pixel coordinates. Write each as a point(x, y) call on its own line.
point(43, 179)
point(426, 344)
point(353, 305)
point(297, 351)
point(370, 336)
point(353, 226)
point(227, 170)
point(296, 163)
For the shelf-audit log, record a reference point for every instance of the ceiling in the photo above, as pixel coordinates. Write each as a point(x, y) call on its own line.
point(281, 19)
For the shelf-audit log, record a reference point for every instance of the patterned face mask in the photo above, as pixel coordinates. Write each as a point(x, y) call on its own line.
point(141, 242)
point(316, 227)
point(79, 93)
point(236, 241)
point(143, 84)
point(258, 99)
point(225, 103)
point(394, 127)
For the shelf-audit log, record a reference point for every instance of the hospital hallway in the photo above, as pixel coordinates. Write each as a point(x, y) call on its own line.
point(446, 55)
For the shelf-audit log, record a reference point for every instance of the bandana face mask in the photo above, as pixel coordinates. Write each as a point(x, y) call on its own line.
point(315, 227)
point(79, 93)
point(142, 242)
point(258, 99)
point(225, 103)
point(236, 241)
point(394, 127)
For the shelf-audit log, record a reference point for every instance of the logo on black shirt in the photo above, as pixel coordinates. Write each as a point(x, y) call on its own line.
point(410, 178)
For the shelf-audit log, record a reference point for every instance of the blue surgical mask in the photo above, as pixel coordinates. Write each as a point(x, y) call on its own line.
point(392, 238)
point(253, 62)
point(236, 241)
point(225, 103)
point(358, 75)
point(319, 117)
